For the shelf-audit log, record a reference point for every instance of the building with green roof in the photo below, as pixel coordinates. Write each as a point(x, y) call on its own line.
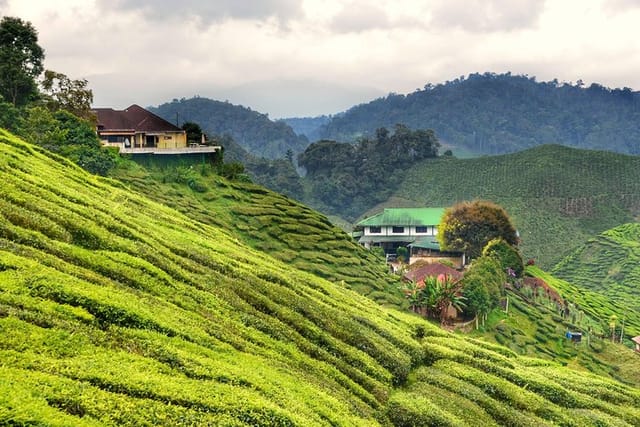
point(414, 228)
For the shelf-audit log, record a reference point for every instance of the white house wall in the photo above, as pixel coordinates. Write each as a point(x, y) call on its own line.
point(432, 230)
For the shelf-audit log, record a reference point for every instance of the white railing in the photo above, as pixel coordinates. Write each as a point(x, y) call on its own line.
point(181, 150)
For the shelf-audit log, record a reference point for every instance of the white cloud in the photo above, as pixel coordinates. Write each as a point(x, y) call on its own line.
point(487, 15)
point(208, 12)
point(360, 16)
point(150, 52)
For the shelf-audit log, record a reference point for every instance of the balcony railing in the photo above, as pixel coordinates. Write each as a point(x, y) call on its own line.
point(181, 150)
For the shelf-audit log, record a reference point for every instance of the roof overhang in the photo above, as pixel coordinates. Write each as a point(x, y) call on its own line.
point(384, 239)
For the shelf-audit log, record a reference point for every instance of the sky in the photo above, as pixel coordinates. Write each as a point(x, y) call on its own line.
point(296, 58)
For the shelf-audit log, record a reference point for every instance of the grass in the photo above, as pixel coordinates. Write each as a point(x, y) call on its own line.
point(118, 309)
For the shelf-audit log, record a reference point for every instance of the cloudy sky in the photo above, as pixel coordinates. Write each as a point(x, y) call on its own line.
point(310, 57)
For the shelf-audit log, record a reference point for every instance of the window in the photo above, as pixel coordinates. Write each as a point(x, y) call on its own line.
point(422, 229)
point(375, 230)
point(397, 230)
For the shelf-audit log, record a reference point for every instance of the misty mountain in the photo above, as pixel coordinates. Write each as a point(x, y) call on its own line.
point(252, 130)
point(500, 113)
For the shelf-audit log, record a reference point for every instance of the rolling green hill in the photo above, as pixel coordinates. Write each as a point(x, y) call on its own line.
point(116, 309)
point(500, 113)
point(558, 197)
point(608, 266)
point(535, 325)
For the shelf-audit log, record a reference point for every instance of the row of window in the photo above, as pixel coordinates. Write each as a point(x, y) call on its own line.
point(400, 230)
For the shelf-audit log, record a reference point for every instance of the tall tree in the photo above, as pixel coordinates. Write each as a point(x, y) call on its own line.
point(469, 226)
point(20, 60)
point(62, 93)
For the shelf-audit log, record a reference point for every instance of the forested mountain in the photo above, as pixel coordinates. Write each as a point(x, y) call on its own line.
point(253, 131)
point(116, 309)
point(307, 126)
point(499, 113)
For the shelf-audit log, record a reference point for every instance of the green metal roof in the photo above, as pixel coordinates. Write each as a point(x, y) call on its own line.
point(405, 217)
point(381, 239)
point(426, 243)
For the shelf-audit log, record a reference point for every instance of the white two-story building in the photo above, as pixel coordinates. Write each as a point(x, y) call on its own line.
point(413, 228)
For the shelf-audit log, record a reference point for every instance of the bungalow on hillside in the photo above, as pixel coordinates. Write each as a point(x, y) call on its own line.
point(636, 341)
point(135, 130)
point(414, 228)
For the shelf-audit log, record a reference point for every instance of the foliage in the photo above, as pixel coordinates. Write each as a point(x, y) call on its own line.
point(482, 285)
point(68, 135)
point(231, 170)
point(20, 61)
point(349, 179)
point(9, 116)
point(500, 113)
point(434, 296)
point(62, 93)
point(469, 226)
point(194, 132)
point(403, 254)
point(508, 256)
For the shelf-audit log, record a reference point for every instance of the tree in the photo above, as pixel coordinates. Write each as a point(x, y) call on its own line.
point(469, 226)
point(194, 132)
point(20, 61)
point(507, 255)
point(434, 296)
point(482, 284)
point(62, 93)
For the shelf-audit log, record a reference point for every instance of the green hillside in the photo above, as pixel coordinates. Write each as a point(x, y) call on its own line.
point(270, 223)
point(558, 197)
point(608, 266)
point(115, 309)
point(535, 325)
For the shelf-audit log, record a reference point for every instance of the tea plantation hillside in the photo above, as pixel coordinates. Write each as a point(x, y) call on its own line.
point(535, 325)
point(115, 309)
point(268, 222)
point(609, 266)
point(558, 197)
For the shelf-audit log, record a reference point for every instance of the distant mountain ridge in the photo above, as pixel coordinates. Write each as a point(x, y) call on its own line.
point(252, 130)
point(500, 113)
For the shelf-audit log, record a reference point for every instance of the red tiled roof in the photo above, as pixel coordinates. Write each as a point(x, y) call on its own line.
point(132, 118)
point(636, 339)
point(431, 270)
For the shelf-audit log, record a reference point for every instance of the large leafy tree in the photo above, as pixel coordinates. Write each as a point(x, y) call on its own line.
point(482, 284)
point(62, 93)
point(21, 60)
point(469, 226)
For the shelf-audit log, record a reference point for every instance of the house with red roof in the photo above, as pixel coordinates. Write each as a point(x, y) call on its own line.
point(136, 130)
point(431, 270)
point(636, 341)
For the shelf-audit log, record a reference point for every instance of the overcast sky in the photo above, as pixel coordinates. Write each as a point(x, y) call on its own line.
point(310, 57)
